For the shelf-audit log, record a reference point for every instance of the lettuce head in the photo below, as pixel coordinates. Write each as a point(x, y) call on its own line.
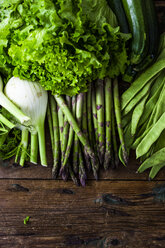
point(63, 44)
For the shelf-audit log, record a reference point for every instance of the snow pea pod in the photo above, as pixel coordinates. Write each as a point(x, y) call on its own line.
point(155, 169)
point(141, 81)
point(118, 119)
point(137, 113)
point(129, 139)
point(126, 119)
point(138, 140)
point(148, 154)
point(160, 143)
point(157, 82)
point(156, 159)
point(153, 98)
point(137, 98)
point(160, 105)
point(120, 154)
point(150, 121)
point(151, 137)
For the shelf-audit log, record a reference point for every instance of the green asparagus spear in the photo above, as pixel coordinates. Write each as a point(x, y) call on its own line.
point(66, 128)
point(65, 137)
point(85, 130)
point(100, 118)
point(82, 173)
point(76, 148)
point(71, 134)
point(74, 124)
point(50, 123)
point(89, 116)
point(73, 177)
point(56, 134)
point(61, 129)
point(94, 114)
point(108, 122)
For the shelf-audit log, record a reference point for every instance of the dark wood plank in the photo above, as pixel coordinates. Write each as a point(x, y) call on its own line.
point(7, 170)
point(104, 214)
point(124, 210)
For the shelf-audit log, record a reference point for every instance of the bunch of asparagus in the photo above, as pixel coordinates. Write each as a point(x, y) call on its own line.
point(86, 131)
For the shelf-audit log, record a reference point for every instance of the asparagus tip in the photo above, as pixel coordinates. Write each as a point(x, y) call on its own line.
point(95, 175)
point(82, 181)
point(73, 177)
point(54, 173)
point(75, 181)
point(125, 156)
point(62, 170)
point(75, 167)
point(107, 160)
point(64, 174)
point(88, 162)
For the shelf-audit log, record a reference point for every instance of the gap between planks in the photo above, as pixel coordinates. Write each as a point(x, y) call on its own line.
point(90, 179)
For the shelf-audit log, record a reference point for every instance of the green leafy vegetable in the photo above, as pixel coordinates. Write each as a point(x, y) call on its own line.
point(62, 44)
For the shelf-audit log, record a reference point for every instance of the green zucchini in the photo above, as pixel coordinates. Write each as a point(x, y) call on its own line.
point(153, 32)
point(117, 8)
point(134, 10)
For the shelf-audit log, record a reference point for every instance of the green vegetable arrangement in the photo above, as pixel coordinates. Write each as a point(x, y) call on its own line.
point(63, 61)
point(144, 115)
point(71, 119)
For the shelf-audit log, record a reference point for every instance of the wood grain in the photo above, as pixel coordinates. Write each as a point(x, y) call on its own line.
point(104, 214)
point(123, 209)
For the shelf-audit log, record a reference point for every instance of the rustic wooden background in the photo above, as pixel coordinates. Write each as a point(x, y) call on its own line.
point(123, 209)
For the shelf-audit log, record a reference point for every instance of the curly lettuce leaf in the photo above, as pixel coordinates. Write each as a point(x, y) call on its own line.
point(63, 44)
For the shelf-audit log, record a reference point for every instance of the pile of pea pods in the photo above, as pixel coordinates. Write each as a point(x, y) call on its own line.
point(143, 115)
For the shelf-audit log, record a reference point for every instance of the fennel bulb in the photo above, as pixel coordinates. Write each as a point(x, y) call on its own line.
point(9, 106)
point(32, 99)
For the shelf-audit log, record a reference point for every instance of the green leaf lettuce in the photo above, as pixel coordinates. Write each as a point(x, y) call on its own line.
point(63, 44)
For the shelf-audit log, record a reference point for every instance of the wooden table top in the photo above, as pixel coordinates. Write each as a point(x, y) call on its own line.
point(122, 209)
